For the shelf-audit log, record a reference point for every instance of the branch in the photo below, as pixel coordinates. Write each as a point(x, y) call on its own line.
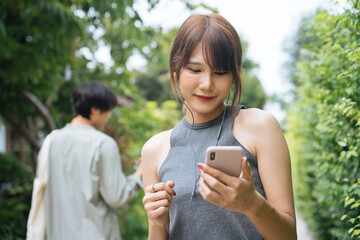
point(41, 109)
point(24, 130)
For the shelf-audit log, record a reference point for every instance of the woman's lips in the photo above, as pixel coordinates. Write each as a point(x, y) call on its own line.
point(204, 98)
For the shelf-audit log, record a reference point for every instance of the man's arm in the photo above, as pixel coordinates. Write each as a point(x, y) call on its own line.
point(36, 221)
point(115, 187)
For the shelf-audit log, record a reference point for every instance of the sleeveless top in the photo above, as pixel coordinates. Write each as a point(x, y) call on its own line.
point(191, 217)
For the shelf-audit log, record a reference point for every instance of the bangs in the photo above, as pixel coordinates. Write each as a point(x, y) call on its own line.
point(218, 50)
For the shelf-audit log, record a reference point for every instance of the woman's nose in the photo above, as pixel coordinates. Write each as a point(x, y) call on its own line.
point(206, 82)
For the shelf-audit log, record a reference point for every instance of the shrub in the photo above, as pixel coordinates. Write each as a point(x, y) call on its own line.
point(324, 126)
point(15, 198)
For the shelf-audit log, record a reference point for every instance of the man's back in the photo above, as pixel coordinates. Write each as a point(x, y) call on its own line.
point(84, 180)
point(79, 169)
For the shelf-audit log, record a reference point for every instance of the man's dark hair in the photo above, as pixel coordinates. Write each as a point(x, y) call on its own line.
point(92, 94)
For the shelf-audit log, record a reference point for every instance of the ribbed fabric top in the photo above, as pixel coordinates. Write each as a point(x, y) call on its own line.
point(200, 219)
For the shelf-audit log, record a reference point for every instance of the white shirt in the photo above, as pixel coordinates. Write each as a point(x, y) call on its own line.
point(84, 183)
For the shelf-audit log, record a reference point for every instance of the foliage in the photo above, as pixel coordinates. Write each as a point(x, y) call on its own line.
point(36, 43)
point(153, 83)
point(324, 126)
point(132, 127)
point(133, 220)
point(353, 203)
point(253, 94)
point(293, 47)
point(15, 196)
point(47, 48)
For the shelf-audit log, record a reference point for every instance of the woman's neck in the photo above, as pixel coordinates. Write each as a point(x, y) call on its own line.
point(198, 118)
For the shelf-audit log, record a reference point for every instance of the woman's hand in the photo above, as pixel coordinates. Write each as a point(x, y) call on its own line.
point(232, 193)
point(157, 200)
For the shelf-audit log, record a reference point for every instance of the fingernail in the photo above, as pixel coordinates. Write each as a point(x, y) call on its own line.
point(200, 165)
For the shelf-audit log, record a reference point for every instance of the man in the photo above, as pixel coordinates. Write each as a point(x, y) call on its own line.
point(80, 172)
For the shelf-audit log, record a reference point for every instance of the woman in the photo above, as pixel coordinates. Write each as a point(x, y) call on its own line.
point(186, 199)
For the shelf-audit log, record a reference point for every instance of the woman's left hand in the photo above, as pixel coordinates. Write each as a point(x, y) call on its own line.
point(232, 193)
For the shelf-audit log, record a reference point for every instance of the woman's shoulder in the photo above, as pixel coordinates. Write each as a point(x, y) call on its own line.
point(256, 118)
point(255, 128)
point(156, 143)
point(153, 155)
point(256, 124)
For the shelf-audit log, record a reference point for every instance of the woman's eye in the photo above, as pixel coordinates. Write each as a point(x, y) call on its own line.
point(220, 73)
point(194, 70)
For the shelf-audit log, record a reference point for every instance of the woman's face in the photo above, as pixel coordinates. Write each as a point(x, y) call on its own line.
point(203, 89)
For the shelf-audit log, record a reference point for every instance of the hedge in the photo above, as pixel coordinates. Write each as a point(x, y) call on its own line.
point(324, 125)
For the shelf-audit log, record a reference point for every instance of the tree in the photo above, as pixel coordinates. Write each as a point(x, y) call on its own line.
point(253, 92)
point(42, 45)
point(153, 83)
point(36, 43)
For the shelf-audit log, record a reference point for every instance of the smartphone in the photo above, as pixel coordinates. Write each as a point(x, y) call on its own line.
point(225, 158)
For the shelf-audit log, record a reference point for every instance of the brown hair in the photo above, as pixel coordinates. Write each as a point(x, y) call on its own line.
point(221, 48)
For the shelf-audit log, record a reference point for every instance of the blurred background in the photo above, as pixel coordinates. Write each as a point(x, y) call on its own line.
point(301, 64)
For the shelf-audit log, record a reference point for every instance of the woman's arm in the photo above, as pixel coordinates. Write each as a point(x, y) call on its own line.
point(158, 195)
point(274, 217)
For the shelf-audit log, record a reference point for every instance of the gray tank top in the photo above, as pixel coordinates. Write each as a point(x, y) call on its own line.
point(191, 217)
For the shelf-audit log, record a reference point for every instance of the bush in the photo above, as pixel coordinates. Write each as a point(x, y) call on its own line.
point(132, 127)
point(15, 198)
point(324, 126)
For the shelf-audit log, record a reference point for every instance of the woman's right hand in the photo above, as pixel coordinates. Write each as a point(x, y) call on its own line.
point(157, 200)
